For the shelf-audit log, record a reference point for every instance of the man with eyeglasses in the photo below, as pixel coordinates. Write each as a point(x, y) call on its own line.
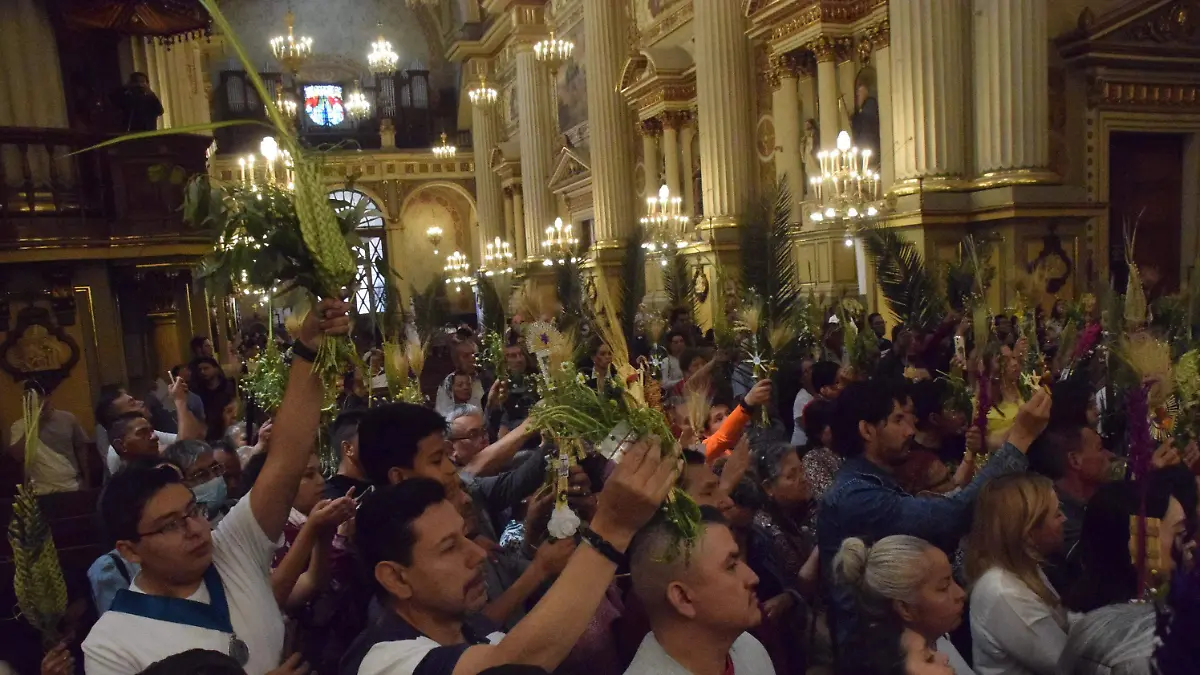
point(205, 589)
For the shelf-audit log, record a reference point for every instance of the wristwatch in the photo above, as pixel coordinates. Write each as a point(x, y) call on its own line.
point(303, 351)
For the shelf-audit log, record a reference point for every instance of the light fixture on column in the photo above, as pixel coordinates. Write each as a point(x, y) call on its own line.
point(444, 150)
point(498, 259)
point(458, 271)
point(847, 189)
point(554, 51)
point(289, 50)
point(664, 227)
point(382, 59)
point(560, 243)
point(434, 234)
point(357, 104)
point(481, 95)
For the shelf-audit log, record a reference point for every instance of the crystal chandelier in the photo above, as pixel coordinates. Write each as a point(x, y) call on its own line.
point(664, 226)
point(357, 104)
point(498, 259)
point(847, 189)
point(482, 95)
point(559, 245)
point(445, 150)
point(554, 51)
point(291, 51)
point(382, 59)
point(434, 234)
point(458, 270)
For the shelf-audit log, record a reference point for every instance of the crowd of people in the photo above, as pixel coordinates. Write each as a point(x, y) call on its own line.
point(855, 520)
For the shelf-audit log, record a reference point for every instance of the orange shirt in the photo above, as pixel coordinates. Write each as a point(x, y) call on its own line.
point(727, 436)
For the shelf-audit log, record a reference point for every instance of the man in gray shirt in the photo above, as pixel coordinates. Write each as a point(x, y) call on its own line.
point(58, 430)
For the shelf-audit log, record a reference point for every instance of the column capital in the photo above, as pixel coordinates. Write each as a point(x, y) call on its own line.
point(783, 66)
point(650, 127)
point(508, 192)
point(516, 189)
point(676, 119)
point(843, 49)
point(822, 48)
point(877, 37)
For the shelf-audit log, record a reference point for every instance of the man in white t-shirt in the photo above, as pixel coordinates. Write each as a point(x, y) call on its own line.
point(430, 577)
point(158, 525)
point(803, 398)
point(120, 403)
point(700, 604)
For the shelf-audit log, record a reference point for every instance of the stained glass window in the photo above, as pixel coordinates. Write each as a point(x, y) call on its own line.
point(370, 295)
point(323, 104)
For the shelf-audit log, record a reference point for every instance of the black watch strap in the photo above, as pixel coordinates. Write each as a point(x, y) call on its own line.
point(603, 546)
point(301, 350)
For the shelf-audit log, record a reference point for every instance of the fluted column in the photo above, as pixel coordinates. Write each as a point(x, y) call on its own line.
point(509, 231)
point(649, 131)
point(785, 108)
point(672, 122)
point(928, 59)
point(827, 92)
point(880, 37)
point(485, 134)
point(609, 118)
point(1012, 100)
point(726, 127)
point(518, 205)
point(535, 114)
point(689, 186)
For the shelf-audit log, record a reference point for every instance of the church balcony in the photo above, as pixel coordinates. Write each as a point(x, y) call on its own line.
point(101, 204)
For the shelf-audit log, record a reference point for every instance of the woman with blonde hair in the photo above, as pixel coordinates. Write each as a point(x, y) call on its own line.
point(1018, 624)
point(907, 580)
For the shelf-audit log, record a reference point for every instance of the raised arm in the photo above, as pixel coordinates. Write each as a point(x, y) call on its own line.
point(496, 455)
point(295, 424)
point(190, 428)
point(546, 635)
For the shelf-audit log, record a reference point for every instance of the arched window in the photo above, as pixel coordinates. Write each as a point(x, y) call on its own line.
point(371, 294)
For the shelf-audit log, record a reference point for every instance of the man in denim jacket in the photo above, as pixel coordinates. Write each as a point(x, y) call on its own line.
point(871, 429)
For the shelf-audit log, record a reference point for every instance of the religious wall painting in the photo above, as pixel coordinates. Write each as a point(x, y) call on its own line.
point(639, 178)
point(38, 348)
point(572, 83)
point(864, 122)
point(510, 97)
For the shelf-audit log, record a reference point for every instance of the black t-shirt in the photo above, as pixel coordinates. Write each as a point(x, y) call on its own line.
point(400, 643)
point(338, 485)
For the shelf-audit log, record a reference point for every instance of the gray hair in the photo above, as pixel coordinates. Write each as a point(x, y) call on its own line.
point(233, 431)
point(463, 410)
point(892, 569)
point(185, 453)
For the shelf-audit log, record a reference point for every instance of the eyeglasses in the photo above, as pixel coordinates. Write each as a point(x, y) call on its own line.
point(194, 511)
point(215, 471)
point(472, 435)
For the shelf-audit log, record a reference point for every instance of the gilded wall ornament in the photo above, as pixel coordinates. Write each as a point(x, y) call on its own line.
point(38, 348)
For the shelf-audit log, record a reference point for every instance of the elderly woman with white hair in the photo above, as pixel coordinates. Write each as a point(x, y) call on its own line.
point(905, 579)
point(201, 472)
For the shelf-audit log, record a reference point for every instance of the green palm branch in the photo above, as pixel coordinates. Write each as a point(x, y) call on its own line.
point(633, 285)
point(912, 292)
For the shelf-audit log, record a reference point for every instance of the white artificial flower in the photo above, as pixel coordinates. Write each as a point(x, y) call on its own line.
point(563, 522)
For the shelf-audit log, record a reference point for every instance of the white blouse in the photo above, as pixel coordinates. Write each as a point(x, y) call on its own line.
point(1013, 631)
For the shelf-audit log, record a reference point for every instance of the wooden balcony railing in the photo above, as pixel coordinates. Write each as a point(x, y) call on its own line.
point(51, 198)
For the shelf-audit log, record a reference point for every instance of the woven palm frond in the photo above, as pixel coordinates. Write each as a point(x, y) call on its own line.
point(697, 404)
point(633, 285)
point(678, 284)
point(768, 261)
point(608, 322)
point(911, 291)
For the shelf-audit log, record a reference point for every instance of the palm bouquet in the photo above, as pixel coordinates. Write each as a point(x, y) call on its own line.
point(270, 237)
point(37, 576)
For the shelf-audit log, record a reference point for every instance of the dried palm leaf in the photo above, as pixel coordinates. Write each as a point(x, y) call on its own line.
point(697, 404)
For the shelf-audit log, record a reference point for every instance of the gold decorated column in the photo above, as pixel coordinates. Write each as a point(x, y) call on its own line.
point(535, 113)
point(609, 118)
point(928, 70)
point(673, 177)
point(1012, 95)
point(726, 125)
point(827, 92)
point(649, 130)
point(879, 43)
point(785, 108)
point(686, 135)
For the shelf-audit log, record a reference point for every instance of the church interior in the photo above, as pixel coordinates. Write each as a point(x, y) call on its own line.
point(510, 138)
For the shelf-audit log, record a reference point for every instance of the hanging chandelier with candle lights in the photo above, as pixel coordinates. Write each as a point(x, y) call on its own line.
point(665, 229)
point(382, 59)
point(482, 95)
point(559, 245)
point(272, 166)
point(554, 51)
point(847, 189)
point(497, 259)
point(444, 150)
point(357, 104)
point(291, 51)
point(434, 234)
point(458, 271)
point(286, 104)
